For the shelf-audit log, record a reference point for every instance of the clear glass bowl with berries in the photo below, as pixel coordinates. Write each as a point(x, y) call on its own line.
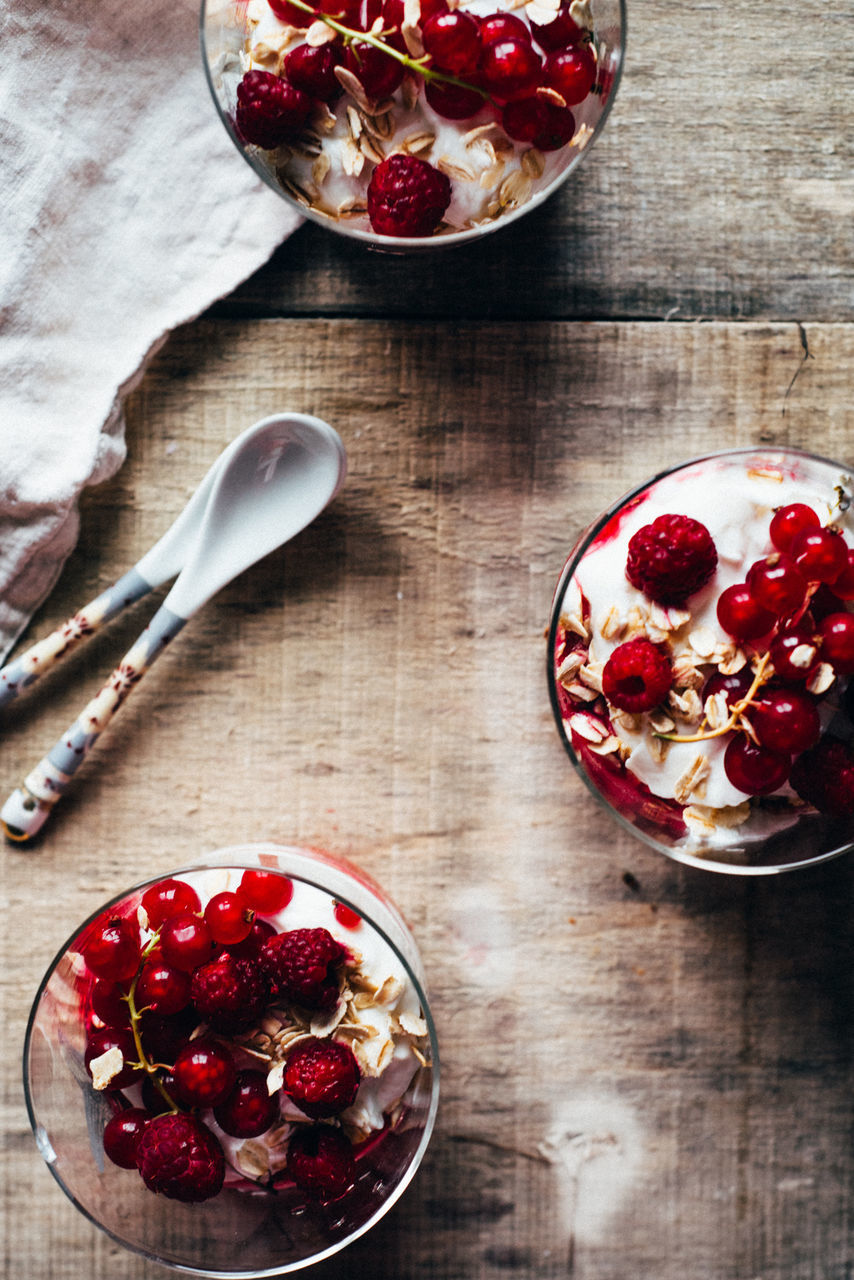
point(413, 123)
point(232, 1069)
point(700, 660)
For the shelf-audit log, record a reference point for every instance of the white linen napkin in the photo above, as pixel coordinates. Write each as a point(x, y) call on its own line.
point(126, 210)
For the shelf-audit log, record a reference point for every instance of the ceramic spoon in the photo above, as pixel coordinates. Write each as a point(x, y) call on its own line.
point(166, 558)
point(268, 485)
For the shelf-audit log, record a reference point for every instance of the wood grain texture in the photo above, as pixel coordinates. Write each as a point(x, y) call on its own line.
point(648, 1071)
point(721, 187)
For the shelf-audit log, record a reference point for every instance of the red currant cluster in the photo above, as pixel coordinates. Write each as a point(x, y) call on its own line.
point(790, 613)
point(161, 1009)
point(468, 63)
point(790, 619)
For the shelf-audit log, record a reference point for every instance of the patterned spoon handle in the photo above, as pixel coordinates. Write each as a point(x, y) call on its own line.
point(30, 805)
point(44, 654)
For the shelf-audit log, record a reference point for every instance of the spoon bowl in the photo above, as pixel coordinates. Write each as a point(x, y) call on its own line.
point(281, 475)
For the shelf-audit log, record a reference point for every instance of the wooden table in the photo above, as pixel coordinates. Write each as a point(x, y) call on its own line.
point(648, 1071)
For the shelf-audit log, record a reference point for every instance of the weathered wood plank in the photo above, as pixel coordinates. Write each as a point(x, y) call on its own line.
point(684, 1041)
point(721, 187)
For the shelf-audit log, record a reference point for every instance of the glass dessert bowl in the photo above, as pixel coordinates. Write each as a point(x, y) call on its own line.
point(700, 655)
point(247, 1038)
point(405, 124)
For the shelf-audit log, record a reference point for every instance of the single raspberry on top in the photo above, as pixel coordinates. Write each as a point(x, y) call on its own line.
point(179, 1157)
point(407, 197)
point(320, 1160)
point(269, 110)
point(824, 777)
point(637, 675)
point(671, 558)
point(302, 964)
point(321, 1077)
point(229, 992)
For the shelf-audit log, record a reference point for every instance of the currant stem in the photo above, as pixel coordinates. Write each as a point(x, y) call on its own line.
point(735, 711)
point(151, 1068)
point(413, 64)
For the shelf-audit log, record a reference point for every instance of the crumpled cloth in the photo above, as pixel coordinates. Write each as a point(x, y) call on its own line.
point(125, 211)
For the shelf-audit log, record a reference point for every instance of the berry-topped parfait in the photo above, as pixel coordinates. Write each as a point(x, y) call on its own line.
point(700, 654)
point(232, 1068)
point(405, 122)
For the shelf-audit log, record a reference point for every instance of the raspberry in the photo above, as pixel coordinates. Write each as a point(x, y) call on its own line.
point(321, 1077)
point(179, 1157)
point(824, 777)
point(229, 992)
point(671, 558)
point(407, 197)
point(321, 1161)
point(637, 676)
point(269, 110)
point(301, 965)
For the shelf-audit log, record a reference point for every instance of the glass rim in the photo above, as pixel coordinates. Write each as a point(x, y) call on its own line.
point(230, 856)
point(585, 540)
point(453, 239)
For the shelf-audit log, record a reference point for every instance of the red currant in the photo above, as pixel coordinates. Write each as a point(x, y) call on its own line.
point(734, 687)
point(510, 69)
point(312, 69)
point(563, 30)
point(228, 917)
point(542, 123)
point(837, 641)
point(251, 945)
point(524, 119)
point(503, 26)
point(120, 1038)
point(152, 1099)
point(289, 13)
point(163, 1037)
point(843, 587)
point(204, 1074)
point(112, 950)
point(249, 1110)
point(266, 891)
point(186, 942)
point(346, 916)
point(452, 40)
point(452, 101)
point(741, 615)
point(109, 1003)
point(794, 655)
point(820, 554)
point(347, 11)
point(169, 898)
point(785, 720)
point(378, 74)
point(778, 584)
point(392, 12)
point(557, 130)
point(570, 73)
point(161, 988)
point(788, 522)
point(122, 1135)
point(754, 770)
